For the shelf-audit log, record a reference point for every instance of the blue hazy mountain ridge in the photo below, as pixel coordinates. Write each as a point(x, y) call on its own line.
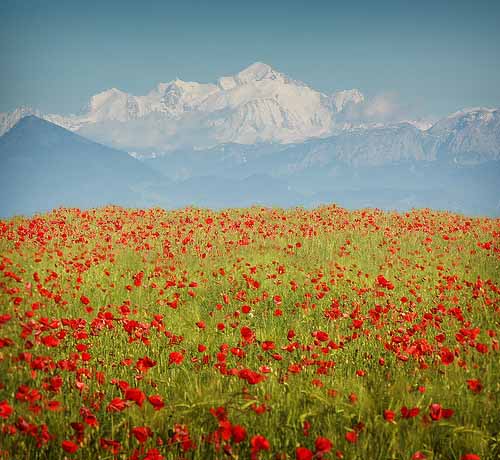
point(44, 166)
point(454, 165)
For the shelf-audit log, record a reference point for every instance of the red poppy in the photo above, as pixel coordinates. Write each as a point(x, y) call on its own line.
point(389, 415)
point(142, 433)
point(85, 300)
point(175, 357)
point(136, 395)
point(323, 445)
point(144, 364)
point(156, 401)
point(409, 413)
point(351, 436)
point(247, 334)
point(239, 433)
point(153, 454)
point(111, 445)
point(259, 442)
point(475, 385)
point(250, 376)
point(435, 411)
point(5, 409)
point(322, 336)
point(69, 446)
point(303, 453)
point(116, 405)
point(447, 356)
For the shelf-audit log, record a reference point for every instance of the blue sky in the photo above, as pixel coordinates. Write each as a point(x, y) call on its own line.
point(434, 56)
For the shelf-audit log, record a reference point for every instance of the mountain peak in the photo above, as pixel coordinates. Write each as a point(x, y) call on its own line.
point(36, 125)
point(473, 111)
point(31, 130)
point(258, 71)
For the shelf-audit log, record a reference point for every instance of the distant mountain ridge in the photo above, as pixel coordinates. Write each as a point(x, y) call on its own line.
point(46, 166)
point(259, 104)
point(257, 137)
point(465, 138)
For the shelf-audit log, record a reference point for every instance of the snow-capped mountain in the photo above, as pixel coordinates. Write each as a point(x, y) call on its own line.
point(259, 104)
point(262, 105)
point(468, 136)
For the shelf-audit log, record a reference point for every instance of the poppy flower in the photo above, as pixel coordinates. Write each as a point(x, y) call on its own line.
point(69, 446)
point(116, 405)
point(153, 454)
point(303, 453)
point(250, 376)
point(409, 413)
point(259, 442)
point(447, 356)
point(84, 300)
point(136, 395)
point(5, 409)
point(239, 433)
point(247, 334)
point(435, 411)
point(144, 364)
point(156, 401)
point(175, 357)
point(322, 336)
point(111, 445)
point(142, 433)
point(323, 445)
point(268, 345)
point(389, 415)
point(475, 385)
point(351, 436)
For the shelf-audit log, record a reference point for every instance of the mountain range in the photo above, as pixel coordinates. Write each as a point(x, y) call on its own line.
point(258, 137)
point(259, 104)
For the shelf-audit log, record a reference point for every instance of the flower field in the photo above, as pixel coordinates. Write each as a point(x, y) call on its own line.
point(249, 334)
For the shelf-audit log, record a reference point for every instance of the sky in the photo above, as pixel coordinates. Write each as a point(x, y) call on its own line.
point(434, 57)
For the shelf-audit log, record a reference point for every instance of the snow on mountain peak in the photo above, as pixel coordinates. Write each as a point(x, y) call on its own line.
point(10, 119)
point(102, 98)
point(256, 72)
point(473, 110)
point(257, 104)
point(467, 119)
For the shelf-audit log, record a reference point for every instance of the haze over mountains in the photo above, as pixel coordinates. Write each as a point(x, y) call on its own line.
point(258, 137)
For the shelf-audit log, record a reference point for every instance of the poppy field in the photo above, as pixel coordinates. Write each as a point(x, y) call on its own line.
point(249, 334)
